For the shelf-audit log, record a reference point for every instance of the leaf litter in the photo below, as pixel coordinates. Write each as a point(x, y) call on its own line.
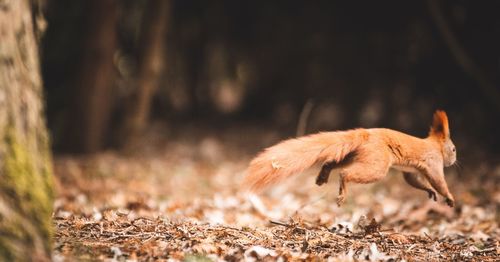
point(174, 201)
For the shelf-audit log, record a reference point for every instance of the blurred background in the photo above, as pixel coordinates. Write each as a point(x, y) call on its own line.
point(157, 106)
point(115, 70)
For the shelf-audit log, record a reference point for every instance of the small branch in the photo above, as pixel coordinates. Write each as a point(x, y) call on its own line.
point(311, 202)
point(304, 116)
point(279, 223)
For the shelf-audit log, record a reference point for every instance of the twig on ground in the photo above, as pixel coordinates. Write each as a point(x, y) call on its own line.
point(304, 116)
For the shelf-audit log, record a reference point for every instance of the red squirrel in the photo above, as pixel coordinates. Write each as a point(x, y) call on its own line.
point(362, 156)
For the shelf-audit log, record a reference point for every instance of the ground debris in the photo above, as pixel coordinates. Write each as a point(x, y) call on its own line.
point(183, 207)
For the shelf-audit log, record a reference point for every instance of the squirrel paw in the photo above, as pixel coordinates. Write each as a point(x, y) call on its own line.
point(432, 194)
point(450, 202)
point(321, 180)
point(340, 200)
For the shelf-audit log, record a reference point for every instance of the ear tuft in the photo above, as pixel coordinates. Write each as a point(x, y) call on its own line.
point(440, 126)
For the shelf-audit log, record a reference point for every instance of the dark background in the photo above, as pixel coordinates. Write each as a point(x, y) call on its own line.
point(223, 63)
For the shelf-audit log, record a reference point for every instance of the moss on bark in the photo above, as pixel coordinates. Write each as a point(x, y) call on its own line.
point(26, 183)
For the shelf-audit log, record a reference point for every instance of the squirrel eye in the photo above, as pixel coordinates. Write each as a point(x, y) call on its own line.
point(453, 149)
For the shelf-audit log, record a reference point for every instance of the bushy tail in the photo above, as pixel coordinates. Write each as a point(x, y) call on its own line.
point(293, 156)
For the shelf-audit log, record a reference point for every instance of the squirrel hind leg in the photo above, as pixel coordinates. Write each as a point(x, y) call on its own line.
point(342, 190)
point(324, 174)
point(327, 167)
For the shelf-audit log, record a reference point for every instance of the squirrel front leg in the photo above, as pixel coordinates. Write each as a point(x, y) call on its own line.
point(416, 181)
point(436, 179)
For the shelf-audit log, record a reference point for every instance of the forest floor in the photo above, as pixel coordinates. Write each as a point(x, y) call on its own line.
point(181, 199)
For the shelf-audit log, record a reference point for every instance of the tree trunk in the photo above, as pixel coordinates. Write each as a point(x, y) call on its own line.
point(26, 194)
point(151, 57)
point(88, 123)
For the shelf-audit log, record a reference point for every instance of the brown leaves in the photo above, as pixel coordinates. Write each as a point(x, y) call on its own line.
point(184, 207)
point(123, 236)
point(371, 228)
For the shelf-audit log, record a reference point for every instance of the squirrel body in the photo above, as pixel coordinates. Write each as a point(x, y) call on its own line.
point(362, 156)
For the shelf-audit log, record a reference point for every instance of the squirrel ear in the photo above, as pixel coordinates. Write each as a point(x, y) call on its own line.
point(440, 126)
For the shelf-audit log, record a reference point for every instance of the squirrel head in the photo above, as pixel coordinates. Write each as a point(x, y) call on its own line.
point(441, 132)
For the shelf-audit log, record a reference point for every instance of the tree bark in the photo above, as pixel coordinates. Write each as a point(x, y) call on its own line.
point(151, 58)
point(88, 123)
point(26, 194)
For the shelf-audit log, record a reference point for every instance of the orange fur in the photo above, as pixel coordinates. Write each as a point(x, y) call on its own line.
point(373, 152)
point(440, 126)
point(295, 155)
